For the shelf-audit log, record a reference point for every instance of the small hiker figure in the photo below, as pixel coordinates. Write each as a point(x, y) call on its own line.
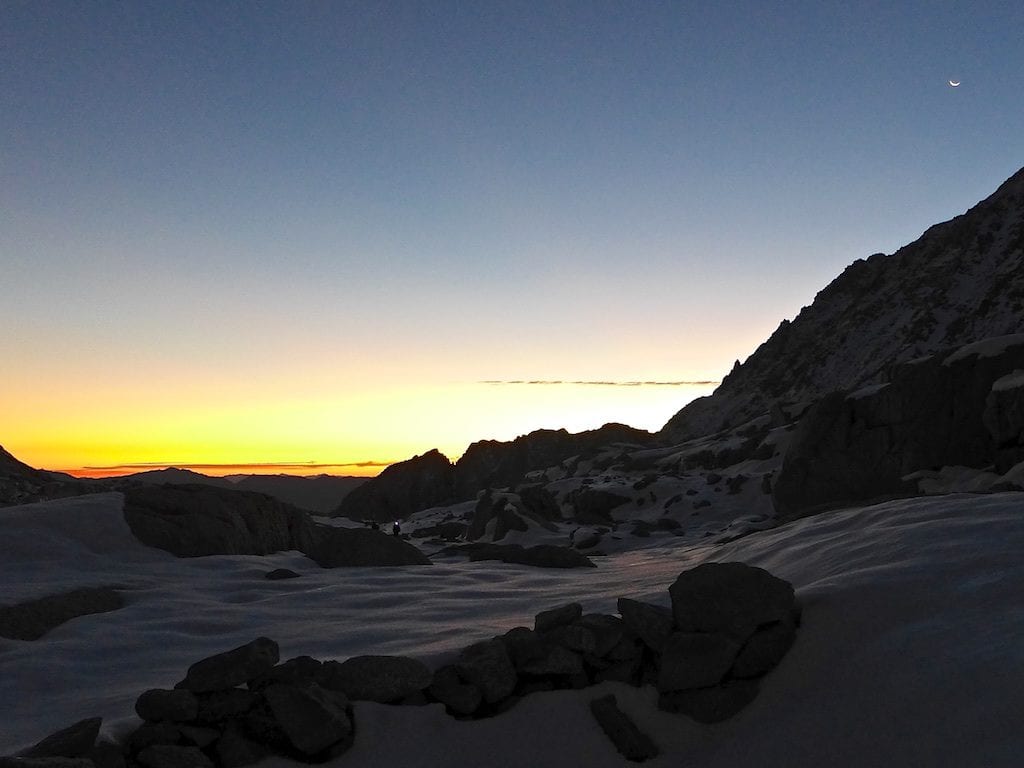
point(396, 529)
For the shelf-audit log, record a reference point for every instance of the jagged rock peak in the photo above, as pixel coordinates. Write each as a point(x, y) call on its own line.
point(961, 281)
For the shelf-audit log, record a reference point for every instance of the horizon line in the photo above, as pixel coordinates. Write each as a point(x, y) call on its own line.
point(238, 465)
point(597, 383)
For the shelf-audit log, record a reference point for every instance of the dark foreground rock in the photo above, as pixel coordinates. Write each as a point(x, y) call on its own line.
point(730, 624)
point(630, 741)
point(32, 619)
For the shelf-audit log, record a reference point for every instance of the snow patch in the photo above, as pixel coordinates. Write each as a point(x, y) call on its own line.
point(992, 347)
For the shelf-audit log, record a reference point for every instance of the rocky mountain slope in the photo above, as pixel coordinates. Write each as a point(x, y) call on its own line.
point(961, 281)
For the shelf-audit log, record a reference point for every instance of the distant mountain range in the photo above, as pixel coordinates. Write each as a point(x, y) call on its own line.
point(21, 484)
point(780, 419)
point(961, 281)
point(317, 493)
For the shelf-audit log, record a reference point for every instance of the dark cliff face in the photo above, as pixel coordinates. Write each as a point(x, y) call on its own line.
point(430, 480)
point(961, 281)
point(402, 489)
point(494, 464)
point(21, 484)
point(958, 408)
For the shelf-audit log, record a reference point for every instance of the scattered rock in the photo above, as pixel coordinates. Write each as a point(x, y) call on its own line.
point(651, 623)
point(377, 678)
point(281, 573)
point(487, 666)
point(177, 706)
point(312, 718)
point(459, 697)
point(545, 621)
point(630, 741)
point(232, 668)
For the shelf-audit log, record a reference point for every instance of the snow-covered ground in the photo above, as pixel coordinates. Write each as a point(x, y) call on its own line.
point(910, 654)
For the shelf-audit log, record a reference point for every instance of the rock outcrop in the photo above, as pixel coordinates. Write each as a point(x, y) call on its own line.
point(197, 520)
point(496, 464)
point(954, 408)
point(431, 480)
point(961, 281)
point(402, 489)
point(21, 484)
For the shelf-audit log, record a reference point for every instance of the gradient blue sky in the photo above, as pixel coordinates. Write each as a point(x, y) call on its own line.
point(302, 212)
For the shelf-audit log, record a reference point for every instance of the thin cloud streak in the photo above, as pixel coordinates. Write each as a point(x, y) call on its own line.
point(555, 382)
point(245, 465)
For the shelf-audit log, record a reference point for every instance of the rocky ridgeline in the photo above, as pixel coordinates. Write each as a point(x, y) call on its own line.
point(728, 625)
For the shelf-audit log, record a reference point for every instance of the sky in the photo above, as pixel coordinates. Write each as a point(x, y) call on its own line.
point(316, 235)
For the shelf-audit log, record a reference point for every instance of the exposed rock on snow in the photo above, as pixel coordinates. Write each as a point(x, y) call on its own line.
point(631, 743)
point(350, 547)
point(301, 708)
point(197, 520)
point(32, 619)
point(232, 668)
point(940, 411)
point(378, 678)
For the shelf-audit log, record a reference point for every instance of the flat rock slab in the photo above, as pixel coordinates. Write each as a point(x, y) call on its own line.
point(632, 743)
point(377, 678)
point(74, 741)
point(232, 668)
point(34, 618)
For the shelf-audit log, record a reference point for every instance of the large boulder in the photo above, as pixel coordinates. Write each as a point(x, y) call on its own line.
point(732, 599)
point(232, 668)
point(402, 489)
point(196, 520)
point(950, 409)
point(651, 623)
point(377, 678)
point(312, 718)
point(488, 667)
point(350, 547)
point(634, 745)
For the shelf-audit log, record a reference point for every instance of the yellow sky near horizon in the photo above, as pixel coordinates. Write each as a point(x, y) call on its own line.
point(97, 431)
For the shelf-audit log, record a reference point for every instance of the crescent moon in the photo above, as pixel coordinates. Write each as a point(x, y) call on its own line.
point(954, 83)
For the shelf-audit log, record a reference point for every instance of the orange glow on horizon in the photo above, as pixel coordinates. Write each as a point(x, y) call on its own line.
point(359, 469)
point(220, 430)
